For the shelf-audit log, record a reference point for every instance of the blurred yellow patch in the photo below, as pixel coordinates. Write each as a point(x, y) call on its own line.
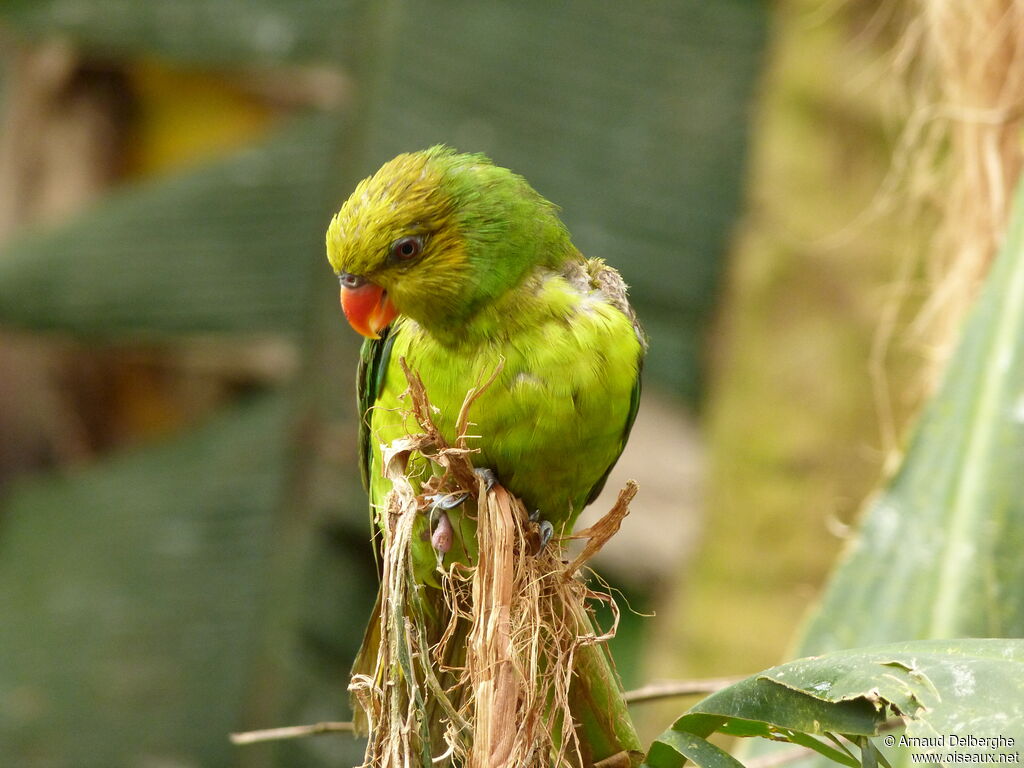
point(187, 116)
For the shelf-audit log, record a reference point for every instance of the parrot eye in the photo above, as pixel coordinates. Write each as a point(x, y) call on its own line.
point(406, 248)
point(350, 281)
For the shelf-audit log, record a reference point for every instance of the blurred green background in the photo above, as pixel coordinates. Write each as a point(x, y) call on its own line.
point(183, 537)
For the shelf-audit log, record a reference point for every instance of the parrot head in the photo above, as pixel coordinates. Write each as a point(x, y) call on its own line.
point(436, 235)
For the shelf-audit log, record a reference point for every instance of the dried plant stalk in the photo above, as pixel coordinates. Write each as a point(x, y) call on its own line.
point(501, 666)
point(965, 61)
point(498, 686)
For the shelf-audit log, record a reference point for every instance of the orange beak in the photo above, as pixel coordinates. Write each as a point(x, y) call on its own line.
point(368, 308)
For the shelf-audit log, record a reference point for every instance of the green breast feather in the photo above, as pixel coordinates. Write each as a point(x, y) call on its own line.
point(556, 419)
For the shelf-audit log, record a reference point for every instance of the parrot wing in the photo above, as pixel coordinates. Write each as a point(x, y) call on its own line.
point(634, 406)
point(374, 357)
point(609, 283)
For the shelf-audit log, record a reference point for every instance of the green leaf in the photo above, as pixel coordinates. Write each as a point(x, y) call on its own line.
point(939, 551)
point(674, 748)
point(194, 31)
point(131, 592)
point(869, 754)
point(960, 687)
point(841, 756)
point(226, 248)
point(770, 706)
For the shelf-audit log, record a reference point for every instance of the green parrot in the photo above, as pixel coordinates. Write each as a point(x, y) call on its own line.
point(458, 266)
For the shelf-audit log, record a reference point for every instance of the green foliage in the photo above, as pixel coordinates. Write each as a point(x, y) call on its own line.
point(831, 702)
point(938, 552)
point(937, 556)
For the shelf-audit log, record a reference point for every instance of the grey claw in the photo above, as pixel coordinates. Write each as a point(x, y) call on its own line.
point(487, 475)
point(547, 530)
point(448, 500)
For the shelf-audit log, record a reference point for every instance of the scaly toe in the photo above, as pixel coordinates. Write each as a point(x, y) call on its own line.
point(547, 530)
point(487, 475)
point(448, 501)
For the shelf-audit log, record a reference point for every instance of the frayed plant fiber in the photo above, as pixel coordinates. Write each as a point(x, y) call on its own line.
point(963, 65)
point(500, 666)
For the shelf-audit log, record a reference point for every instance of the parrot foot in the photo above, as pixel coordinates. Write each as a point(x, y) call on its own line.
point(547, 530)
point(487, 475)
point(447, 501)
